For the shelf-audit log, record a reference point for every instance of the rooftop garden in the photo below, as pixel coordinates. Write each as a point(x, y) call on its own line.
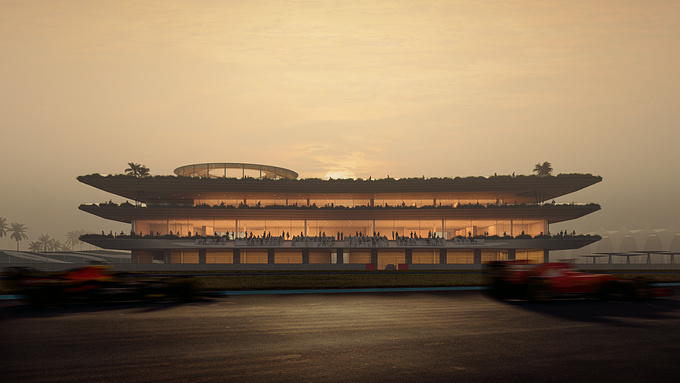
point(350, 180)
point(335, 207)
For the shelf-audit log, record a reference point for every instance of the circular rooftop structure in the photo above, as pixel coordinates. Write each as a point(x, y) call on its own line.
point(235, 170)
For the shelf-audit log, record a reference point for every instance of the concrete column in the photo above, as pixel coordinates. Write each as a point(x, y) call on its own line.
point(201, 255)
point(546, 255)
point(270, 256)
point(442, 256)
point(340, 257)
point(305, 256)
point(512, 254)
point(477, 256)
point(167, 256)
point(408, 254)
point(237, 256)
point(374, 256)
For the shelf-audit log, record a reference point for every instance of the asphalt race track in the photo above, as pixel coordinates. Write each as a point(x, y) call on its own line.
point(377, 337)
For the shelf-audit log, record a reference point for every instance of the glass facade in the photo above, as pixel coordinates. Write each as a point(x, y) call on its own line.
point(382, 222)
point(337, 200)
point(447, 229)
point(382, 257)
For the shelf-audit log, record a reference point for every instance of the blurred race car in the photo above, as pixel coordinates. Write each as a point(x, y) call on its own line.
point(93, 283)
point(523, 280)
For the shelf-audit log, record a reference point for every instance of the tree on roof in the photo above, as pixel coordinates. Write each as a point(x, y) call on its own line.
point(543, 169)
point(137, 170)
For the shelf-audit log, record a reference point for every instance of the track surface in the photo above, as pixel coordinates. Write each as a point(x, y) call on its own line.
point(384, 337)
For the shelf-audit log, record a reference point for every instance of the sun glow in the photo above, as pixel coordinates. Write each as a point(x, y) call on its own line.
point(339, 173)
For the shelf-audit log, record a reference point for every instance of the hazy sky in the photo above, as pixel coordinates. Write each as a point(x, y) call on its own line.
point(405, 88)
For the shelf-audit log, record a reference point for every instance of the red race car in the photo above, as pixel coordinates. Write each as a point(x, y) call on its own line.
point(92, 283)
point(523, 280)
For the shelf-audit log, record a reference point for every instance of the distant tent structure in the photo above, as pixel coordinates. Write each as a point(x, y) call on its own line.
point(653, 246)
point(628, 248)
point(604, 245)
point(675, 244)
point(659, 245)
point(674, 248)
point(628, 244)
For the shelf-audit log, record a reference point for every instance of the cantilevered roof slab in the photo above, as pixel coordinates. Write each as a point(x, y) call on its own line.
point(549, 212)
point(184, 190)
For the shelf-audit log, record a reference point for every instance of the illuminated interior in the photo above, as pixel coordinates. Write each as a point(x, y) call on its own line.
point(446, 229)
point(342, 200)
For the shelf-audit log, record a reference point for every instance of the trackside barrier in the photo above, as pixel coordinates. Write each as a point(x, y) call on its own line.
point(402, 266)
point(370, 266)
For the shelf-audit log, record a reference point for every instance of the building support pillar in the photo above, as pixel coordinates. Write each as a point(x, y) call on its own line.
point(512, 254)
point(546, 255)
point(374, 256)
point(339, 257)
point(442, 257)
point(305, 256)
point(201, 255)
point(477, 256)
point(408, 255)
point(167, 256)
point(237, 257)
point(270, 256)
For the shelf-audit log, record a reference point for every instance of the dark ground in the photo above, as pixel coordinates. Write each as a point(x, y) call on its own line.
point(381, 337)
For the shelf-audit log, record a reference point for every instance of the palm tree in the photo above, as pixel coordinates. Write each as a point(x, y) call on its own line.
point(73, 238)
point(34, 246)
point(18, 231)
point(44, 241)
point(543, 169)
point(3, 227)
point(55, 245)
point(82, 232)
point(137, 170)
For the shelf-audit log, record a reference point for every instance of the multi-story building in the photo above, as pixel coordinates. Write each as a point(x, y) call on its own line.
point(229, 213)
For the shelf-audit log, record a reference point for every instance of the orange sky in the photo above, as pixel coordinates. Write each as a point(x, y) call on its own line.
point(410, 88)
